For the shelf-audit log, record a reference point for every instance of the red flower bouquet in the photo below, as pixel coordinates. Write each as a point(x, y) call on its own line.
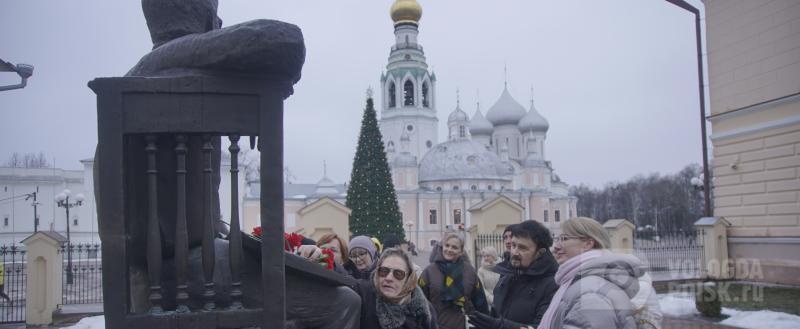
point(293, 241)
point(327, 258)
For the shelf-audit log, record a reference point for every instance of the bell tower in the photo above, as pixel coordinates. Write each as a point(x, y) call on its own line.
point(408, 87)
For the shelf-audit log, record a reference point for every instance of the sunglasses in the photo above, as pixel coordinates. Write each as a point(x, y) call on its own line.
point(398, 274)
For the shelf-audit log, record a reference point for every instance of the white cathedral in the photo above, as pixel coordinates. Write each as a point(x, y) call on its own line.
point(441, 185)
point(438, 183)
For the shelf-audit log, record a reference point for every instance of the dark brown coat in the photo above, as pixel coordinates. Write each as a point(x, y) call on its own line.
point(449, 315)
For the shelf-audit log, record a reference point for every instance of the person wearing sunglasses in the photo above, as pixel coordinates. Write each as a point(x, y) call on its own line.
point(362, 256)
point(596, 286)
point(452, 285)
point(392, 299)
point(526, 283)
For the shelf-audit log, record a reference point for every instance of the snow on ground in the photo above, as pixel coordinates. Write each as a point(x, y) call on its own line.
point(673, 304)
point(682, 304)
point(94, 322)
point(677, 304)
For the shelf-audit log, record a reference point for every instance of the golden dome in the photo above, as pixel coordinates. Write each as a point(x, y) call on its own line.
point(406, 11)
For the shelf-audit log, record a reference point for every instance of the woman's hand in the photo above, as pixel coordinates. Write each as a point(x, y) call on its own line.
point(309, 252)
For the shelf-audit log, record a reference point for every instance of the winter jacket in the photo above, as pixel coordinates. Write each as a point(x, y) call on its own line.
point(522, 295)
point(489, 280)
point(600, 294)
point(419, 313)
point(450, 315)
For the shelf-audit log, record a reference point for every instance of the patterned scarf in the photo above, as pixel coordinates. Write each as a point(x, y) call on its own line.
point(453, 285)
point(392, 315)
point(410, 301)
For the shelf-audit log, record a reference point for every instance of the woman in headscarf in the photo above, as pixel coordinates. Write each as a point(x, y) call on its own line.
point(452, 285)
point(392, 299)
point(596, 286)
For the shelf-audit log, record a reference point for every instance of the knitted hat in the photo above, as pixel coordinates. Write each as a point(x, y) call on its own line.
point(364, 242)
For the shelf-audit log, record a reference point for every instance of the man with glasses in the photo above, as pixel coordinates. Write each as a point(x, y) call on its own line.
point(526, 283)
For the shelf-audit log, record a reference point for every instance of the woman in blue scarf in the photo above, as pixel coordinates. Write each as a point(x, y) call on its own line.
point(452, 284)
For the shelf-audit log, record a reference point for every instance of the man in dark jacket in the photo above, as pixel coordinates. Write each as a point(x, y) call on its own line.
point(526, 283)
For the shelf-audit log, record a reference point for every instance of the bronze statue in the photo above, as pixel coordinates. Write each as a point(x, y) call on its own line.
point(188, 41)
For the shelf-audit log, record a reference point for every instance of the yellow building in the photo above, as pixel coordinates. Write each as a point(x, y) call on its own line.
point(754, 82)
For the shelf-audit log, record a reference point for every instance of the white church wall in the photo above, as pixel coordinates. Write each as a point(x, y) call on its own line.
point(16, 213)
point(508, 135)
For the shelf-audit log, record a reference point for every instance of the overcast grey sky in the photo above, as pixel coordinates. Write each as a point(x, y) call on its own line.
point(617, 79)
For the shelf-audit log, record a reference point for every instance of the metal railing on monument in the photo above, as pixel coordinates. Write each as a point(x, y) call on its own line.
point(13, 282)
point(670, 255)
point(162, 139)
point(82, 281)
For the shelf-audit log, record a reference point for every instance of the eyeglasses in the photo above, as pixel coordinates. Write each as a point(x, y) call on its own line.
point(356, 254)
point(398, 274)
point(562, 238)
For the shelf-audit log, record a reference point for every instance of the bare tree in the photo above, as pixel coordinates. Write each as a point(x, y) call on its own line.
point(27, 160)
point(667, 201)
point(14, 161)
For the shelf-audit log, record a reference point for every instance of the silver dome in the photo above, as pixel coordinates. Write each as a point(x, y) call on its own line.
point(457, 115)
point(461, 159)
point(479, 125)
point(533, 121)
point(506, 111)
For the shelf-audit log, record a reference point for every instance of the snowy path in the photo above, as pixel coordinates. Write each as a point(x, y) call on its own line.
point(673, 305)
point(682, 304)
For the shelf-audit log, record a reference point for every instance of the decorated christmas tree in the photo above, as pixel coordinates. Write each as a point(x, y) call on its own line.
point(371, 194)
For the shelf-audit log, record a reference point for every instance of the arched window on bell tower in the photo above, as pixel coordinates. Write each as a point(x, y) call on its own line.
point(392, 95)
point(408, 93)
point(425, 97)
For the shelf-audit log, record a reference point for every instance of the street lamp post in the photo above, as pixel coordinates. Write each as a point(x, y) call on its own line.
point(24, 71)
point(62, 199)
point(708, 212)
point(410, 226)
point(700, 184)
point(34, 205)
